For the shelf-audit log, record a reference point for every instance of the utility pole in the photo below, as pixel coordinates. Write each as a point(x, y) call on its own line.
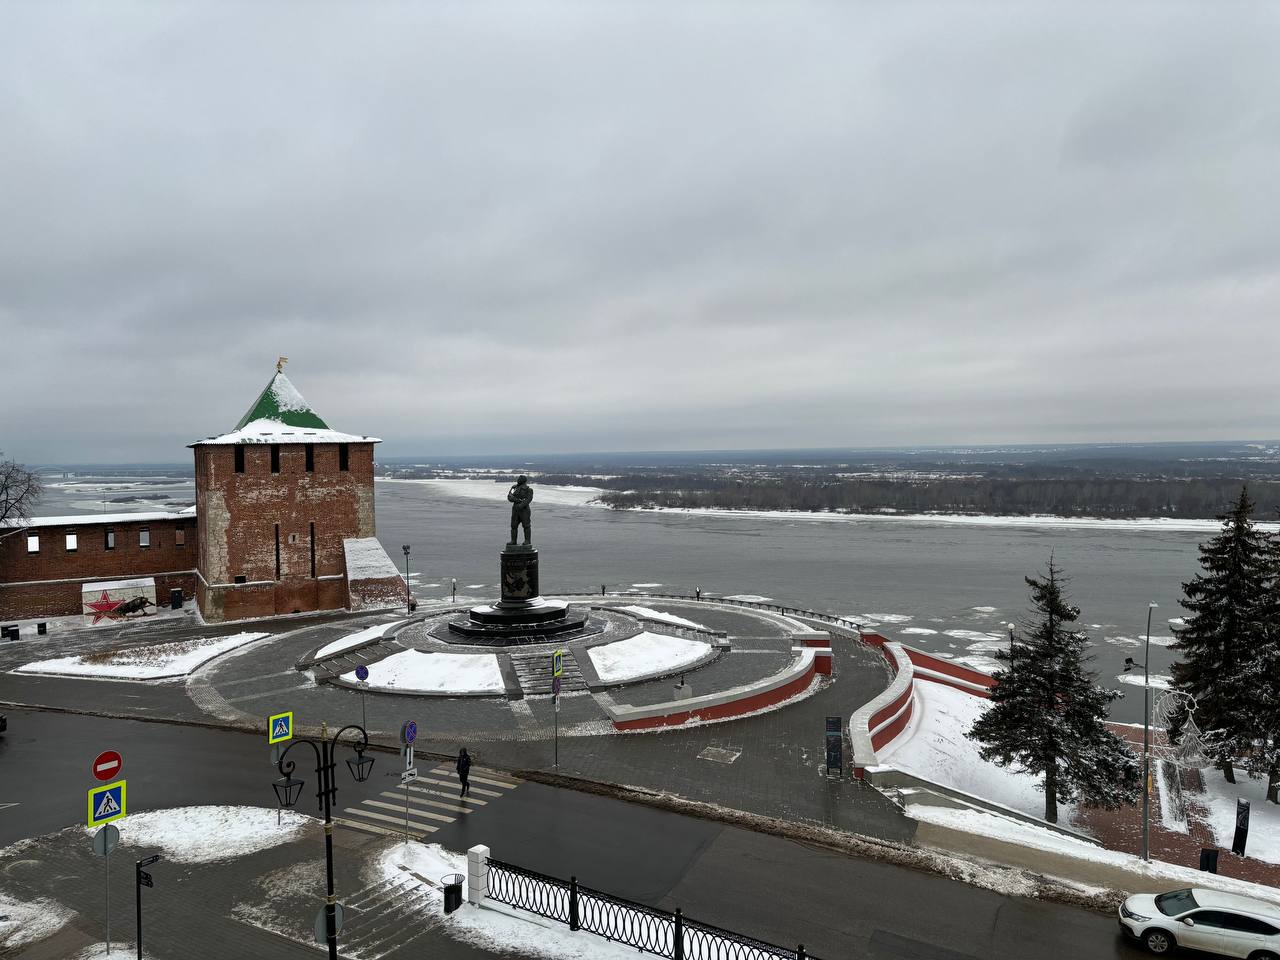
point(408, 602)
point(1146, 740)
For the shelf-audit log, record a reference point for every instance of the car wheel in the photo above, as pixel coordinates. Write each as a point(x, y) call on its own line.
point(1265, 955)
point(1159, 942)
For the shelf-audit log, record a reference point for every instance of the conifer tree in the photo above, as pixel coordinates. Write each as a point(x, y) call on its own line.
point(1048, 714)
point(1219, 644)
point(1262, 675)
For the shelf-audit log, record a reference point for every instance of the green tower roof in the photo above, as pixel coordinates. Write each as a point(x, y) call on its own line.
point(281, 401)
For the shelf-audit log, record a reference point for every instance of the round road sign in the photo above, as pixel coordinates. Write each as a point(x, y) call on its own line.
point(409, 732)
point(362, 673)
point(105, 840)
point(107, 766)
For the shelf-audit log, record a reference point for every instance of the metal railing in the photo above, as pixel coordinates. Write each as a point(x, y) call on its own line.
point(669, 935)
point(843, 622)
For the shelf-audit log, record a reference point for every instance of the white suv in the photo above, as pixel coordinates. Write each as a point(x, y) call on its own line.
point(1218, 923)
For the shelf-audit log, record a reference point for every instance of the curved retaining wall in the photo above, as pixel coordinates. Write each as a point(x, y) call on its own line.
point(734, 702)
point(879, 722)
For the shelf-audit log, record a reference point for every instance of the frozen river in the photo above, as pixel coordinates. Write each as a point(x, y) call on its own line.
point(945, 587)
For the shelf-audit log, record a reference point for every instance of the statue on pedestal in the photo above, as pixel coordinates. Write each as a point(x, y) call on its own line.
point(520, 496)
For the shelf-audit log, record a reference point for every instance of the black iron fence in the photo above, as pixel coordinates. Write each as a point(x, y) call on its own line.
point(670, 935)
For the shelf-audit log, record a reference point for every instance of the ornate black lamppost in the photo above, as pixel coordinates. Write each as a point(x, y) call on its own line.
point(288, 788)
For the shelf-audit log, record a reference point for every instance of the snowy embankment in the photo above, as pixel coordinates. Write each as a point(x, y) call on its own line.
point(1219, 801)
point(651, 614)
point(435, 673)
point(935, 748)
point(210, 833)
point(543, 493)
point(645, 655)
point(353, 640)
point(495, 928)
point(154, 662)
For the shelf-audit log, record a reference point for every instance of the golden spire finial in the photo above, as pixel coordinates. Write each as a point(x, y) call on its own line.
point(280, 362)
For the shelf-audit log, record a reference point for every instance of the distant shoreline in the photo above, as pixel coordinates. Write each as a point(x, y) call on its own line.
point(584, 496)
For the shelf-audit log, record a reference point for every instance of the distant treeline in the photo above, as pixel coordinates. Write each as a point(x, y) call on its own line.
point(1073, 497)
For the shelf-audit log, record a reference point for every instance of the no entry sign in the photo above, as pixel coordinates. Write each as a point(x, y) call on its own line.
point(107, 766)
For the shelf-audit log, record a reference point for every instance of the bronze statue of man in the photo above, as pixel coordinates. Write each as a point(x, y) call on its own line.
point(520, 496)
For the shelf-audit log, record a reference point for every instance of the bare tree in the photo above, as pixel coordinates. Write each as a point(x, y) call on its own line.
point(19, 490)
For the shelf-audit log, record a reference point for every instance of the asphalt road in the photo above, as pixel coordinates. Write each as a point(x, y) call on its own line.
point(772, 889)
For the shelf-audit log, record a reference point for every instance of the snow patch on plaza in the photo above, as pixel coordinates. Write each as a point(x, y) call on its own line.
point(936, 748)
point(205, 834)
point(644, 655)
point(352, 640)
point(435, 673)
point(651, 614)
point(1158, 681)
point(153, 662)
point(23, 923)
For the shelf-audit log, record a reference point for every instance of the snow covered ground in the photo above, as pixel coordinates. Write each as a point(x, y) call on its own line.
point(435, 673)
point(154, 662)
point(543, 493)
point(1264, 818)
point(937, 749)
point(208, 834)
point(501, 929)
point(23, 923)
point(750, 598)
point(644, 655)
point(664, 617)
point(342, 644)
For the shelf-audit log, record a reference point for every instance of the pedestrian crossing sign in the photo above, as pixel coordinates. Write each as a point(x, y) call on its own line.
point(280, 727)
point(106, 803)
point(557, 663)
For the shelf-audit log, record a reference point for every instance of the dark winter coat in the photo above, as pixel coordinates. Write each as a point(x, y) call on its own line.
point(464, 766)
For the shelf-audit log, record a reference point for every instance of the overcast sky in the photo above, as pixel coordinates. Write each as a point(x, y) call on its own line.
point(486, 227)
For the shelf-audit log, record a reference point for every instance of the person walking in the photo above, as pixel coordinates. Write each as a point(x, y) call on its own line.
point(464, 772)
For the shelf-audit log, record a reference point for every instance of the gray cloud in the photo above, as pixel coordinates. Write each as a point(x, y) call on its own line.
point(576, 226)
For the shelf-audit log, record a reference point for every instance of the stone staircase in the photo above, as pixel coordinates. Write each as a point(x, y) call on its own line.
point(534, 673)
point(328, 669)
point(385, 917)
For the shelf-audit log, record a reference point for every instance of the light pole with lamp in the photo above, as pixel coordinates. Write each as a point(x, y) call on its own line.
point(288, 788)
point(408, 603)
point(1146, 734)
point(1011, 628)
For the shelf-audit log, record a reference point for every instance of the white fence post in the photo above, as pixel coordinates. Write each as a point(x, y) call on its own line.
point(477, 874)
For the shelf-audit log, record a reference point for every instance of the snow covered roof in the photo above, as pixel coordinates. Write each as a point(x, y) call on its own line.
point(94, 519)
point(367, 560)
point(281, 415)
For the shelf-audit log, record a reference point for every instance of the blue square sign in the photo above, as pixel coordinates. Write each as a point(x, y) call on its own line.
point(106, 803)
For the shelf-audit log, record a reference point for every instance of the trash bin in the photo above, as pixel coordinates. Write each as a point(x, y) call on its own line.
point(42, 628)
point(175, 598)
point(8, 633)
point(452, 884)
point(1209, 859)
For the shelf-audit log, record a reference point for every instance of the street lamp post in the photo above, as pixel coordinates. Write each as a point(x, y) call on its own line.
point(1146, 734)
point(1010, 626)
point(408, 604)
point(287, 790)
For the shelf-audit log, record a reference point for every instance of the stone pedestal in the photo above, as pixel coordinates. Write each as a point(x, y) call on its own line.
point(519, 575)
point(522, 615)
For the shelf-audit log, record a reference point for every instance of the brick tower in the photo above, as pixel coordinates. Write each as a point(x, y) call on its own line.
point(283, 504)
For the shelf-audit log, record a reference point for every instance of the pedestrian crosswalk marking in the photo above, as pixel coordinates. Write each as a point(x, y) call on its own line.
point(417, 813)
point(428, 828)
point(506, 784)
point(439, 805)
point(369, 827)
point(454, 784)
point(441, 793)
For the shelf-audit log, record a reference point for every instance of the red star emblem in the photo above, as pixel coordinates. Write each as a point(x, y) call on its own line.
point(103, 607)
